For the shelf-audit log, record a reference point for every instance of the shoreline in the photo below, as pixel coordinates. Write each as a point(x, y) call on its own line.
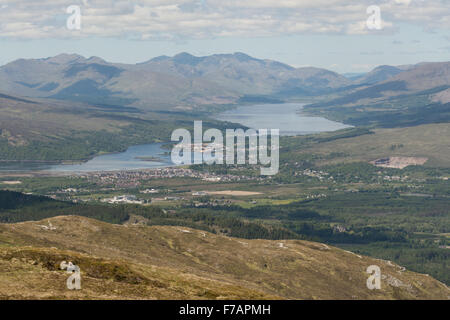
point(165, 146)
point(78, 161)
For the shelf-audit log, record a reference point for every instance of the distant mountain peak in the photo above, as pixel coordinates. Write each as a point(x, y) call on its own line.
point(64, 58)
point(379, 74)
point(95, 59)
point(186, 58)
point(184, 54)
point(156, 59)
point(182, 78)
point(243, 57)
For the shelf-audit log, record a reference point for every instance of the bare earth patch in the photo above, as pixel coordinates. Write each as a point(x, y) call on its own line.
point(442, 97)
point(11, 182)
point(399, 162)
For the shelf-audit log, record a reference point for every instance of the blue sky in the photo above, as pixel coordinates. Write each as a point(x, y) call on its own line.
point(296, 32)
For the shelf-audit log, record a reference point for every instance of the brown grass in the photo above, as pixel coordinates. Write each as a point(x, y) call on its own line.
point(139, 262)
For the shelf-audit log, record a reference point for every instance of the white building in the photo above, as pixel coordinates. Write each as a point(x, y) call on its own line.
point(124, 199)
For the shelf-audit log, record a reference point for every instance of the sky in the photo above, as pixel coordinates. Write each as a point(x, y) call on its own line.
point(343, 36)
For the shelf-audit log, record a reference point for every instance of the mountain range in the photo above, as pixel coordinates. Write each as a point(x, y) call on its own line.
point(162, 81)
point(62, 100)
point(186, 80)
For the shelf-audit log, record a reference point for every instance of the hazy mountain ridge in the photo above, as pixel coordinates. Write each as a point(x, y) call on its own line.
point(378, 74)
point(411, 95)
point(395, 81)
point(163, 81)
point(185, 82)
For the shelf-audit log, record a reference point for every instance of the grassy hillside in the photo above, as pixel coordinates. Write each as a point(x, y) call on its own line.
point(417, 95)
point(52, 130)
point(132, 261)
point(430, 141)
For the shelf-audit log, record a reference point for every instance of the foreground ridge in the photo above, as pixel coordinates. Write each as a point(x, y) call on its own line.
point(165, 262)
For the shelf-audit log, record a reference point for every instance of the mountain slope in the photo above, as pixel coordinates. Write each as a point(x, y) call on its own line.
point(131, 261)
point(425, 76)
point(433, 77)
point(163, 81)
point(49, 129)
point(418, 95)
point(378, 74)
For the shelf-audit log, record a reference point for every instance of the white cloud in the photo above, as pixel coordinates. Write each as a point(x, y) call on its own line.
point(407, 2)
point(191, 19)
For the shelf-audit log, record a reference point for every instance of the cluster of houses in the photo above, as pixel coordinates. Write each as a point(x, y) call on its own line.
point(129, 179)
point(316, 174)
